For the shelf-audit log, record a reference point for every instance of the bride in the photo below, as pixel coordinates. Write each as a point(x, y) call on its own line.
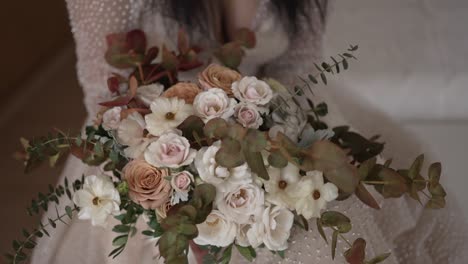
point(289, 39)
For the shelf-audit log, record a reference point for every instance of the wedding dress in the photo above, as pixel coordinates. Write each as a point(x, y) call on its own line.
point(402, 227)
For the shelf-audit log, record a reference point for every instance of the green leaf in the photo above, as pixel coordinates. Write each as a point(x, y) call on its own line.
point(248, 252)
point(230, 154)
point(321, 109)
point(312, 79)
point(277, 160)
point(69, 211)
point(333, 162)
point(415, 169)
point(255, 140)
point(320, 229)
point(226, 258)
point(120, 240)
point(121, 229)
point(256, 164)
point(53, 159)
point(366, 167)
point(379, 258)
point(324, 78)
point(333, 245)
point(435, 171)
point(336, 220)
point(216, 128)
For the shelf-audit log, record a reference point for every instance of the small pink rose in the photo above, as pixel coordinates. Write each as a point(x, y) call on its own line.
point(181, 183)
point(248, 115)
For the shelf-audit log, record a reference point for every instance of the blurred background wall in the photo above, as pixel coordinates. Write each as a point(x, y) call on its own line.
point(38, 91)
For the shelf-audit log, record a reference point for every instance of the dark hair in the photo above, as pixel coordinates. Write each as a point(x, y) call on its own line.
point(191, 12)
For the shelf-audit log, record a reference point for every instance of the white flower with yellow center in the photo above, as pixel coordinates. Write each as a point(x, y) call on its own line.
point(167, 114)
point(310, 205)
point(97, 199)
point(285, 186)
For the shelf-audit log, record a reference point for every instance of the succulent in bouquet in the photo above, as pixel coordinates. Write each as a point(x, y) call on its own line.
point(229, 162)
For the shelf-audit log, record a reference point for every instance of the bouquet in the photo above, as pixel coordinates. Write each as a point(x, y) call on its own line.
point(230, 162)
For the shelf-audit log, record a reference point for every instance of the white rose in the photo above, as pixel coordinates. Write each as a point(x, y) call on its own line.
point(277, 223)
point(248, 115)
point(242, 204)
point(97, 199)
point(216, 230)
point(213, 103)
point(252, 90)
point(148, 93)
point(222, 178)
point(170, 150)
point(111, 118)
point(310, 203)
point(181, 184)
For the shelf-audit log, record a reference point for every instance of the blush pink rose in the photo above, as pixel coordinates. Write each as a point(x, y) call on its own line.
point(248, 115)
point(170, 150)
point(181, 183)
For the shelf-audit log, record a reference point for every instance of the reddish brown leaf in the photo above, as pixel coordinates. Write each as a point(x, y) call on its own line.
point(357, 253)
point(113, 84)
point(246, 37)
point(136, 41)
point(169, 60)
point(364, 195)
point(119, 101)
point(150, 55)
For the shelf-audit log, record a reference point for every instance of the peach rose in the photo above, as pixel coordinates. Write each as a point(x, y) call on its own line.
point(146, 184)
point(183, 90)
point(217, 76)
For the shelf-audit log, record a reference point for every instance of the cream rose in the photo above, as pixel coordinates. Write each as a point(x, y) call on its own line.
point(217, 76)
point(213, 103)
point(216, 230)
point(181, 184)
point(170, 150)
point(248, 115)
point(252, 90)
point(146, 184)
point(222, 178)
point(242, 204)
point(273, 229)
point(111, 118)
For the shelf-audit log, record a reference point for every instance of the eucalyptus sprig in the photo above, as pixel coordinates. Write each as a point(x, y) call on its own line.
point(340, 225)
point(22, 247)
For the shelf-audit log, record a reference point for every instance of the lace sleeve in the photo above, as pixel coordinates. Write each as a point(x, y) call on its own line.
point(91, 21)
